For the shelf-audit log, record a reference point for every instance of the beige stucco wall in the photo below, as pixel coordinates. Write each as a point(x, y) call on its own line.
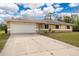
point(65, 26)
point(41, 26)
point(61, 27)
point(8, 27)
point(71, 27)
point(52, 26)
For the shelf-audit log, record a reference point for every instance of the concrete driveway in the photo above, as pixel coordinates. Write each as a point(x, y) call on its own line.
point(34, 44)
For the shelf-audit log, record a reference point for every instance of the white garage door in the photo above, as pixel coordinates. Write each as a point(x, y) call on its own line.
point(23, 28)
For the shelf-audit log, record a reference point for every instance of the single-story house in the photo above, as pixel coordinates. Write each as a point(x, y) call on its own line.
point(36, 26)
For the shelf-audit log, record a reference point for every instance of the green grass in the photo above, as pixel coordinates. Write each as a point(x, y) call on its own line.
point(3, 39)
point(69, 37)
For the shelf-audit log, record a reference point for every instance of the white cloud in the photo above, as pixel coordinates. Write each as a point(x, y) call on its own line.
point(27, 13)
point(73, 4)
point(9, 8)
point(12, 8)
point(6, 16)
point(2, 11)
point(38, 12)
point(33, 5)
point(32, 13)
point(3, 17)
point(49, 4)
point(49, 10)
point(64, 14)
point(1, 20)
point(57, 5)
point(35, 12)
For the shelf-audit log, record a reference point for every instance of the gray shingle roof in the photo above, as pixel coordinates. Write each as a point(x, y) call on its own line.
point(39, 21)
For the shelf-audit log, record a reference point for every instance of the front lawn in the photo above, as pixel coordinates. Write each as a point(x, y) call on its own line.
point(3, 39)
point(69, 37)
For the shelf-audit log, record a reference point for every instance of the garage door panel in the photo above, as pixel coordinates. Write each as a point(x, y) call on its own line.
point(23, 28)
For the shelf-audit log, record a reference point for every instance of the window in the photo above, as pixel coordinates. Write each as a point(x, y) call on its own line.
point(68, 27)
point(57, 26)
point(46, 26)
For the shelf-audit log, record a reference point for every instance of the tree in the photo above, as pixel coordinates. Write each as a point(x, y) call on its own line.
point(68, 19)
point(76, 23)
point(3, 27)
point(60, 19)
point(48, 16)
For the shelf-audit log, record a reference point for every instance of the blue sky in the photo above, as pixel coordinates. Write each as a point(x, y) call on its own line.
point(65, 6)
point(69, 9)
point(36, 10)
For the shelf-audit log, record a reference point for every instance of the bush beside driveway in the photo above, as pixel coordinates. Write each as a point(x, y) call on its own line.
point(3, 39)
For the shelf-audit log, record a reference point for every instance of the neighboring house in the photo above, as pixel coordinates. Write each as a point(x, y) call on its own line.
point(36, 26)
